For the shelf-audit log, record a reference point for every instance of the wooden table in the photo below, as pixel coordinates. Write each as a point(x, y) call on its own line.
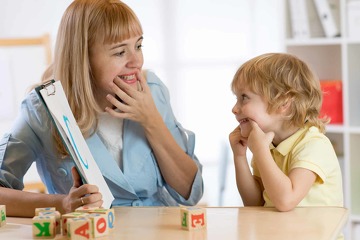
point(223, 223)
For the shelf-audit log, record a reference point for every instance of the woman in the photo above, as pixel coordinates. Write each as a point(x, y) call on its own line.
point(124, 113)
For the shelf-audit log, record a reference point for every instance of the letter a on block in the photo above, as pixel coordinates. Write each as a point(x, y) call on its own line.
point(83, 230)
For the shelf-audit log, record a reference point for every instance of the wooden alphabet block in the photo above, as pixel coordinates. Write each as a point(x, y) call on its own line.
point(37, 210)
point(2, 215)
point(99, 224)
point(79, 228)
point(109, 213)
point(193, 218)
point(65, 217)
point(85, 209)
point(43, 227)
point(57, 216)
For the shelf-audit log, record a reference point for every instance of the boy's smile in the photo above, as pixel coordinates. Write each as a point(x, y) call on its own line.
point(245, 127)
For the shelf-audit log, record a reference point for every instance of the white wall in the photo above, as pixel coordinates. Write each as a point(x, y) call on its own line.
point(194, 46)
point(20, 67)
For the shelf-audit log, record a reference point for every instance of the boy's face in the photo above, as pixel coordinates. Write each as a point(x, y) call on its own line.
point(250, 106)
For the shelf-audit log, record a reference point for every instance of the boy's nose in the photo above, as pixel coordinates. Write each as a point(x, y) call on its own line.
point(235, 109)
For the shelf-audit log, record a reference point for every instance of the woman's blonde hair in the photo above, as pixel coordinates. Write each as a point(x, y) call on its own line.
point(84, 23)
point(280, 79)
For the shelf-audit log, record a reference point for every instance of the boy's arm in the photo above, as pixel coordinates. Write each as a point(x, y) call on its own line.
point(250, 187)
point(286, 192)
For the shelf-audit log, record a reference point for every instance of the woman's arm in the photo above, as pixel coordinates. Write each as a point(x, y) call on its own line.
point(177, 168)
point(22, 204)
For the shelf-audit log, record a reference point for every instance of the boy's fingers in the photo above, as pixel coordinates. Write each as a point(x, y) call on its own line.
point(253, 124)
point(270, 136)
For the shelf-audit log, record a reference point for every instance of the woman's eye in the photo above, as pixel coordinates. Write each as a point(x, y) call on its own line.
point(120, 53)
point(139, 47)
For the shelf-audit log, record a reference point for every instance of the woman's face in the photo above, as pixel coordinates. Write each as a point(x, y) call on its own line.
point(109, 61)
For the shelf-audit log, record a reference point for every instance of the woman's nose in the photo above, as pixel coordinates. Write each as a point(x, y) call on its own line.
point(135, 60)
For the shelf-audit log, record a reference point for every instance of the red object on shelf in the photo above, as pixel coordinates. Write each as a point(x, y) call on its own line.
point(332, 105)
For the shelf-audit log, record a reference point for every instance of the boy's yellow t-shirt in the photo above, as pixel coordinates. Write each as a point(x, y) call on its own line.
point(310, 149)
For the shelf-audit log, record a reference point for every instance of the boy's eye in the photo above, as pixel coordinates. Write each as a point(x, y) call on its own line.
point(244, 97)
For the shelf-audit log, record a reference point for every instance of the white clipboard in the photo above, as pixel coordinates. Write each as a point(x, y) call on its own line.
point(54, 99)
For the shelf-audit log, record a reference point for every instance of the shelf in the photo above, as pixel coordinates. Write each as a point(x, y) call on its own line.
point(354, 130)
point(355, 218)
point(337, 128)
point(325, 60)
point(313, 41)
point(339, 59)
point(353, 41)
point(334, 128)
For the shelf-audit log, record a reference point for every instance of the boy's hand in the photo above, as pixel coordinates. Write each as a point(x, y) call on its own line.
point(258, 139)
point(238, 143)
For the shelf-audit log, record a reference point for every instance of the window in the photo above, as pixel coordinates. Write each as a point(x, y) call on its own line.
point(195, 47)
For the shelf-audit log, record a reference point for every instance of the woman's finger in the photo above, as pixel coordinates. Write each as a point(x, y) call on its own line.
point(123, 107)
point(77, 182)
point(122, 90)
point(142, 84)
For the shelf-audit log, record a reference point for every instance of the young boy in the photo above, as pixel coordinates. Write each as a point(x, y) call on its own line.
point(294, 163)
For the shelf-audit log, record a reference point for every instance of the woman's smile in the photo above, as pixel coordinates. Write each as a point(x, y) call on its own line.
point(128, 78)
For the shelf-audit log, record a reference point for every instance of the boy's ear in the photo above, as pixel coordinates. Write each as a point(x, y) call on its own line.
point(286, 105)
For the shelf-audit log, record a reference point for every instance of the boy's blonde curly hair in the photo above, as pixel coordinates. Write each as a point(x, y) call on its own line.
point(279, 78)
